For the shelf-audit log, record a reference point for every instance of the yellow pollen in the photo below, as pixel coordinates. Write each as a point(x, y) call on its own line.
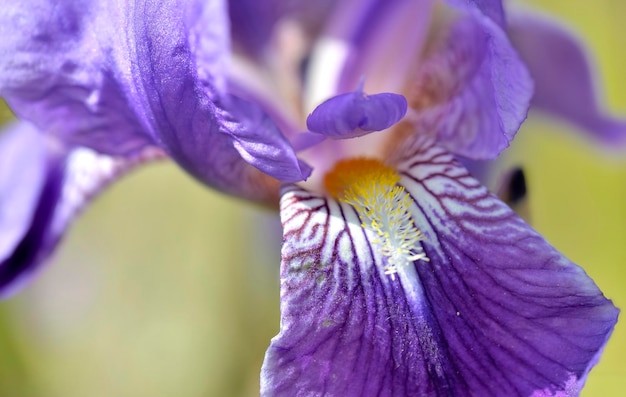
point(383, 207)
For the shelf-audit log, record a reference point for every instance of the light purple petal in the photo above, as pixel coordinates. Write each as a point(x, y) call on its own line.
point(471, 90)
point(42, 189)
point(495, 311)
point(380, 39)
point(22, 176)
point(356, 114)
point(565, 84)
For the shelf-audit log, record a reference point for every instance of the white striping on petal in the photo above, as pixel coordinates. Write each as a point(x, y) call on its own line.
point(496, 311)
point(330, 229)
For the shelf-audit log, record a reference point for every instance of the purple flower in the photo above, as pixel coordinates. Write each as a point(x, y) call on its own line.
point(401, 274)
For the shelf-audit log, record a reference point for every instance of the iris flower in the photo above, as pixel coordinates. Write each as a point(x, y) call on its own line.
point(401, 274)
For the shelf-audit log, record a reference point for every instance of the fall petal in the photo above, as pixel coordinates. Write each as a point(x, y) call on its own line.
point(495, 311)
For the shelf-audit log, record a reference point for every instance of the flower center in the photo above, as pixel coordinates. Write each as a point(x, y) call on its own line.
point(383, 207)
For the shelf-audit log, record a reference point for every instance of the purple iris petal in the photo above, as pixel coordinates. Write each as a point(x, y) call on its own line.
point(269, 152)
point(42, 189)
point(471, 90)
point(564, 80)
point(62, 68)
point(382, 39)
point(495, 311)
point(117, 75)
point(461, 76)
point(355, 114)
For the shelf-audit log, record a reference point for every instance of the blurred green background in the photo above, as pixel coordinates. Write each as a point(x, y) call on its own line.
point(164, 288)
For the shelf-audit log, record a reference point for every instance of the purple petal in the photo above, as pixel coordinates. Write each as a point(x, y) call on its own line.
point(471, 90)
point(461, 76)
point(42, 189)
point(116, 75)
point(61, 69)
point(379, 39)
point(253, 23)
point(565, 83)
point(356, 114)
point(269, 152)
point(495, 311)
point(491, 8)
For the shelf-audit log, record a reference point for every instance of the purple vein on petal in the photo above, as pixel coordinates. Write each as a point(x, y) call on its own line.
point(496, 309)
point(471, 89)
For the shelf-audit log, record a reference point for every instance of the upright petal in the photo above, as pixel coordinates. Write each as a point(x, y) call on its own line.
point(253, 22)
point(376, 39)
point(565, 84)
point(471, 89)
point(42, 189)
point(463, 79)
point(495, 311)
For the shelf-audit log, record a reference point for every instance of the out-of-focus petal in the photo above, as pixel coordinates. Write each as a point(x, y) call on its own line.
point(376, 39)
point(495, 311)
point(564, 78)
point(471, 90)
point(491, 8)
point(42, 189)
point(22, 176)
point(253, 22)
point(354, 114)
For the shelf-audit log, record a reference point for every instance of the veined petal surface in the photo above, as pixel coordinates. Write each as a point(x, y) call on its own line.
point(42, 189)
point(117, 75)
point(496, 311)
point(271, 153)
point(565, 81)
point(471, 90)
